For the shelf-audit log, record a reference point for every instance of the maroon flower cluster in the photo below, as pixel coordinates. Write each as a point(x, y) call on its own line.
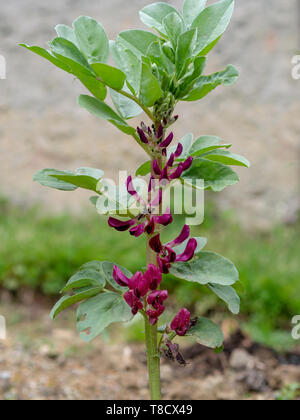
point(169, 172)
point(143, 286)
point(146, 221)
point(166, 254)
point(144, 293)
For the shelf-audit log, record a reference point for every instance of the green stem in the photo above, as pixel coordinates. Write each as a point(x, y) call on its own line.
point(137, 101)
point(152, 343)
point(153, 360)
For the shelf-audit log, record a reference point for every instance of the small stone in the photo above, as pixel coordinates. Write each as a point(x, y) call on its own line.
point(240, 359)
point(5, 380)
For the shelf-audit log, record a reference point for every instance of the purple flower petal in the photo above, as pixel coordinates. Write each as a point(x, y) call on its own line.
point(130, 188)
point(142, 136)
point(187, 164)
point(160, 132)
point(171, 160)
point(153, 276)
point(156, 244)
point(150, 227)
point(120, 225)
point(157, 298)
point(139, 284)
point(182, 322)
point(133, 302)
point(119, 277)
point(184, 234)
point(167, 141)
point(189, 252)
point(164, 174)
point(137, 230)
point(156, 168)
point(177, 173)
point(165, 219)
point(179, 150)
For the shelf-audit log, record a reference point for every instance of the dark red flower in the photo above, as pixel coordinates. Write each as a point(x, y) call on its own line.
point(120, 225)
point(142, 136)
point(182, 322)
point(133, 301)
point(153, 276)
point(156, 299)
point(169, 172)
point(166, 254)
point(139, 284)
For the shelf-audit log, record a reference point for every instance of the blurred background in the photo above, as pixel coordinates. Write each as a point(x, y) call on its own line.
point(45, 235)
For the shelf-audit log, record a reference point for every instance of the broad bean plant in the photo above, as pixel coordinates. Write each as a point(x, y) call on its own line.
point(153, 71)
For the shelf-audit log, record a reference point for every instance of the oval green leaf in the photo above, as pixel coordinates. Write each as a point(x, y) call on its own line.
point(228, 295)
point(215, 175)
point(91, 39)
point(101, 110)
point(207, 267)
point(97, 313)
point(207, 333)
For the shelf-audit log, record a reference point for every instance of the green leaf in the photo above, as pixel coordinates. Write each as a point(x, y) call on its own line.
point(174, 27)
point(215, 175)
point(205, 144)
point(45, 178)
point(97, 88)
point(227, 158)
point(85, 277)
point(101, 110)
point(158, 57)
point(207, 333)
point(207, 267)
point(200, 241)
point(92, 39)
point(212, 23)
point(48, 56)
point(83, 74)
point(107, 268)
point(150, 90)
point(126, 107)
point(228, 295)
point(111, 76)
point(190, 78)
point(191, 9)
point(144, 169)
point(64, 31)
point(138, 41)
point(128, 62)
point(154, 14)
point(184, 51)
point(67, 301)
point(205, 84)
point(168, 51)
point(69, 54)
point(86, 178)
point(97, 313)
